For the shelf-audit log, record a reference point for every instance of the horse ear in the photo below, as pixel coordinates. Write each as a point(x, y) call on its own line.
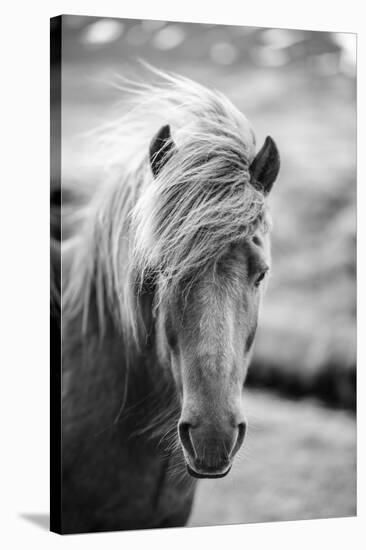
point(161, 148)
point(265, 166)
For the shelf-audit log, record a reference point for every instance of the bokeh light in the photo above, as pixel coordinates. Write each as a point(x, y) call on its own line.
point(169, 37)
point(102, 31)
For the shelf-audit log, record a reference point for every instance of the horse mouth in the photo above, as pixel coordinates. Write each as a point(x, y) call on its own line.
point(207, 474)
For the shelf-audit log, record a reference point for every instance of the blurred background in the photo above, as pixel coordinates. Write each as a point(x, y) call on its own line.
point(299, 87)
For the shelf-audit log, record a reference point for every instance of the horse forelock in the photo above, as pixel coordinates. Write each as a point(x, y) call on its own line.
point(172, 225)
point(201, 203)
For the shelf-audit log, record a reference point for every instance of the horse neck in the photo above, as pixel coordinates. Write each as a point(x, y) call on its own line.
point(108, 363)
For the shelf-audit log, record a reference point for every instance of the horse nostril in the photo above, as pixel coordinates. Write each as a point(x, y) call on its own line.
point(185, 437)
point(242, 428)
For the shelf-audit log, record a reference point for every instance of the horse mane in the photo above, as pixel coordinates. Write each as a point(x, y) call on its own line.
point(139, 228)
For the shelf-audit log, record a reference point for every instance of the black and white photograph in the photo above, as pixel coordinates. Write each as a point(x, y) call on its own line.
point(203, 274)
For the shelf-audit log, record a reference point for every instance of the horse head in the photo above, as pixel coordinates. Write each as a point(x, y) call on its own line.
point(208, 300)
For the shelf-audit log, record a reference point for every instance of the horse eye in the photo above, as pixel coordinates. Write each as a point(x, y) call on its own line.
point(260, 278)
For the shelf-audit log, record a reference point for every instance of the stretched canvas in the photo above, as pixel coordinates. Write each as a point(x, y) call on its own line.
point(203, 293)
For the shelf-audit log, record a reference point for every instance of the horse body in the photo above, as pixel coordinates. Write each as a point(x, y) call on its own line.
point(161, 290)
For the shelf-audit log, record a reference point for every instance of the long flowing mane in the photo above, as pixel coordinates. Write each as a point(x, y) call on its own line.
point(139, 228)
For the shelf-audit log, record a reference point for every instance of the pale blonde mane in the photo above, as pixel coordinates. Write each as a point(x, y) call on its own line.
point(168, 227)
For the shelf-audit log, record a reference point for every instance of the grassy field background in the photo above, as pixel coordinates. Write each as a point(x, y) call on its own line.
point(298, 87)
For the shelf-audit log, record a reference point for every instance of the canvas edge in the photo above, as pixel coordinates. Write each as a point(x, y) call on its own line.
point(55, 325)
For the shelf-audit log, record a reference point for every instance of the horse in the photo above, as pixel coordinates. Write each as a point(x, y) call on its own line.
point(161, 287)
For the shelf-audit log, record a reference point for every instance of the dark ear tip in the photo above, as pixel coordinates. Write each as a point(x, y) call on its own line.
point(164, 132)
point(270, 145)
point(265, 166)
point(269, 141)
point(161, 147)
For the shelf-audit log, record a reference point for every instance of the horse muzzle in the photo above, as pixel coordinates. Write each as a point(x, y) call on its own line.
point(209, 452)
